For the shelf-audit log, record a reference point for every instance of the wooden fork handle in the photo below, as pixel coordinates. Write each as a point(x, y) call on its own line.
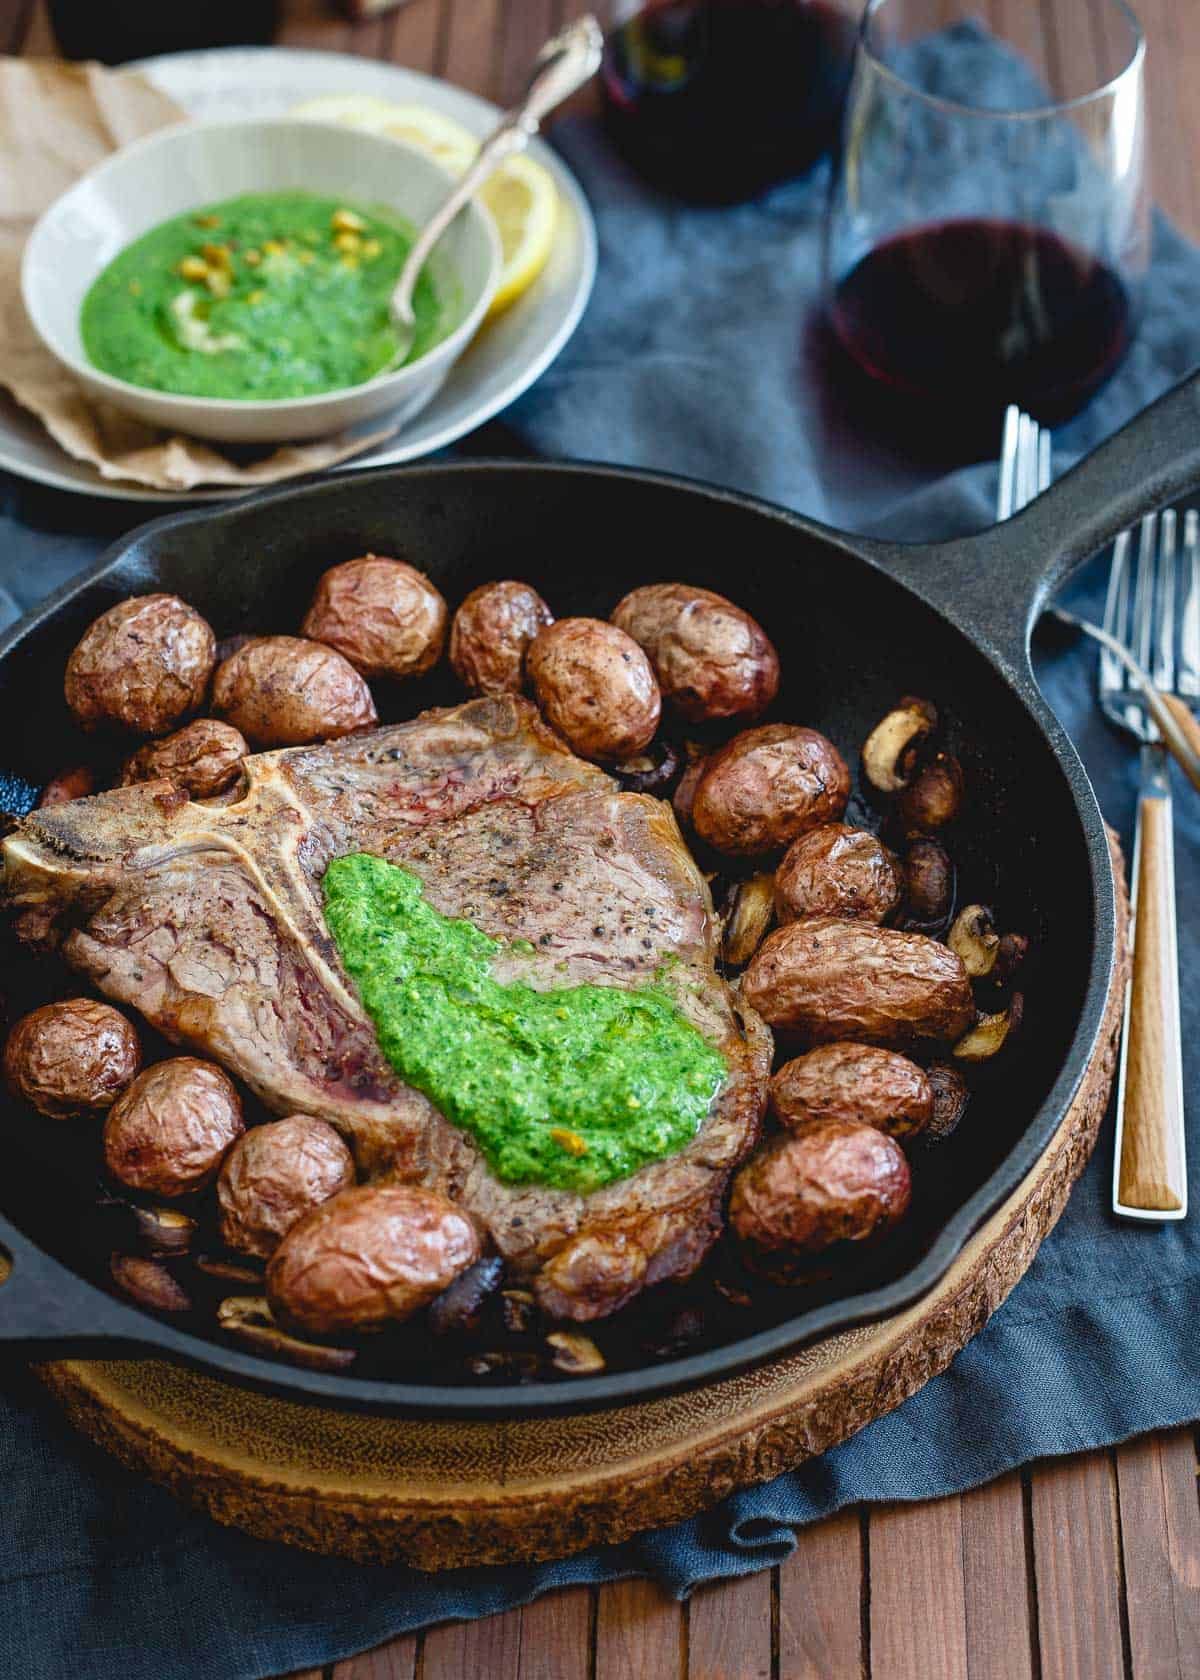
point(1189, 723)
point(1151, 1178)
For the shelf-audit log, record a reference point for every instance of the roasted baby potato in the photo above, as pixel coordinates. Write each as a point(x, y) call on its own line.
point(71, 1058)
point(371, 1256)
point(838, 871)
point(712, 660)
point(283, 691)
point(595, 686)
point(824, 979)
point(170, 1131)
point(854, 1082)
point(382, 615)
point(835, 1181)
point(491, 633)
point(76, 783)
point(766, 787)
point(274, 1175)
point(203, 759)
point(144, 665)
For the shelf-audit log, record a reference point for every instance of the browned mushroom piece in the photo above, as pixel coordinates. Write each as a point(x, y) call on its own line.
point(274, 1175)
point(76, 783)
point(748, 918)
point(836, 1181)
point(249, 1320)
point(928, 884)
point(973, 937)
point(685, 788)
point(203, 759)
point(70, 1058)
point(837, 870)
point(767, 786)
point(170, 1131)
point(595, 685)
point(491, 633)
point(651, 771)
point(144, 665)
point(712, 660)
point(933, 798)
point(991, 1033)
point(383, 615)
point(950, 1095)
point(283, 691)
point(824, 979)
point(854, 1082)
point(892, 749)
point(371, 1256)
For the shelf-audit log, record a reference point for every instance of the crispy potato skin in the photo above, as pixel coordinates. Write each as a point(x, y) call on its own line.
point(77, 783)
point(71, 1058)
point(370, 1256)
point(824, 979)
point(384, 616)
point(712, 660)
point(596, 687)
point(283, 691)
point(144, 665)
point(853, 1082)
point(838, 871)
point(169, 1133)
point(203, 758)
point(491, 633)
point(768, 786)
point(836, 1181)
point(274, 1175)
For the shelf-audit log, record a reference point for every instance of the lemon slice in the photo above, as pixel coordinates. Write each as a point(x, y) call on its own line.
point(521, 196)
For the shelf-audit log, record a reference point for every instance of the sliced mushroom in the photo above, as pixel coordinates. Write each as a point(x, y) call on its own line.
point(458, 1310)
point(576, 1356)
point(892, 748)
point(933, 798)
point(991, 1033)
point(148, 1283)
point(1009, 957)
point(973, 937)
point(949, 1100)
point(163, 1230)
point(928, 885)
point(512, 1365)
point(748, 919)
point(649, 771)
point(230, 1271)
point(247, 1318)
point(518, 1309)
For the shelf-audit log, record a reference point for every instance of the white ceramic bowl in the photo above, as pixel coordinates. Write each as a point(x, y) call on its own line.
point(183, 167)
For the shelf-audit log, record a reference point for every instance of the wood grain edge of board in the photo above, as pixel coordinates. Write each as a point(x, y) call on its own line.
point(1152, 1169)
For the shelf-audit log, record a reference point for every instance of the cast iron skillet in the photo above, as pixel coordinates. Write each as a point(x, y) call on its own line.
point(857, 623)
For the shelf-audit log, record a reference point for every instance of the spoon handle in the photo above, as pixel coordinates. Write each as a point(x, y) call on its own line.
point(564, 64)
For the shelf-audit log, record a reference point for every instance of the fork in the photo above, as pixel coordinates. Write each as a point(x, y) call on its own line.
point(1139, 635)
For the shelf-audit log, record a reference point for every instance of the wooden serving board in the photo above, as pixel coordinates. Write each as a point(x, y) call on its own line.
point(442, 1494)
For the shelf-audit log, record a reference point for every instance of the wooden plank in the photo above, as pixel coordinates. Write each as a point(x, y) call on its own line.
point(639, 1633)
point(397, 1660)
point(484, 1650)
point(1172, 67)
point(472, 38)
point(997, 1582)
point(918, 1618)
point(524, 28)
point(1019, 22)
point(556, 1637)
point(311, 23)
point(729, 1630)
point(821, 1600)
point(1160, 1544)
point(1077, 1569)
point(414, 37)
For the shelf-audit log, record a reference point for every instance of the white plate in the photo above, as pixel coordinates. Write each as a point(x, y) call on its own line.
point(506, 358)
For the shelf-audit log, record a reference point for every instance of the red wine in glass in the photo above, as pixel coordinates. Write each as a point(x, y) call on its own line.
point(714, 100)
point(960, 318)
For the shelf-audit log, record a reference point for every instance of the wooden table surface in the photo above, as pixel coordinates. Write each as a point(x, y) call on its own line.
point(1085, 1568)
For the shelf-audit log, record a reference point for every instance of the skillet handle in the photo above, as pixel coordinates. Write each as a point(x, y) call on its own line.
point(995, 584)
point(48, 1311)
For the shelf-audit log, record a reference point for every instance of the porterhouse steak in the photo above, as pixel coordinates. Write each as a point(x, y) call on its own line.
point(207, 918)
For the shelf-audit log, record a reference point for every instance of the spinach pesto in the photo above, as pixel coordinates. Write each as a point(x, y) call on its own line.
point(571, 1088)
point(281, 294)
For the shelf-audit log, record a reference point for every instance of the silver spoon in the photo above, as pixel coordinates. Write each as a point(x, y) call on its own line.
point(565, 63)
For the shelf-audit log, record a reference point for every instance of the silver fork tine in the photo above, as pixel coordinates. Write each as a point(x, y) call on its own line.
point(1189, 633)
point(1043, 462)
point(1116, 613)
point(1006, 500)
point(1143, 617)
point(1164, 619)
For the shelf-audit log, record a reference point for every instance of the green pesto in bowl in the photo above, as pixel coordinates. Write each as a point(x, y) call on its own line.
point(265, 296)
point(572, 1087)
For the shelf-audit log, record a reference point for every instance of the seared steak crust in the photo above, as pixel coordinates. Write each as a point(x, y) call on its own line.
point(208, 919)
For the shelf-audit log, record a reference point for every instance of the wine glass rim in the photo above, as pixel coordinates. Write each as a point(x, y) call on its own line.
point(1051, 107)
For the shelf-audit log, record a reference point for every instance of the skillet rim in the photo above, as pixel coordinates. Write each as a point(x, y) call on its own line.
point(136, 1333)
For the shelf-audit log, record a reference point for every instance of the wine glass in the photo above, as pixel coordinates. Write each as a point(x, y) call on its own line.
point(988, 231)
